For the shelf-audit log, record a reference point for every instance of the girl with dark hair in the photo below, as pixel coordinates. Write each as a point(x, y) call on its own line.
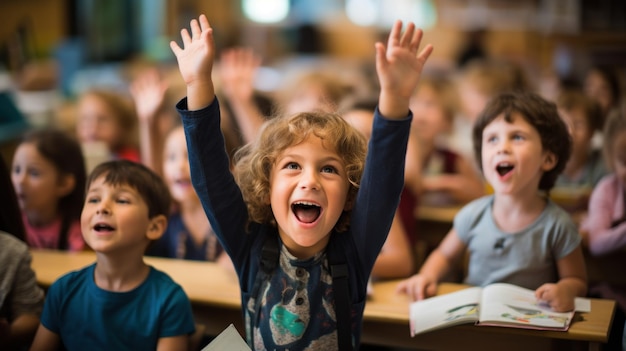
point(48, 174)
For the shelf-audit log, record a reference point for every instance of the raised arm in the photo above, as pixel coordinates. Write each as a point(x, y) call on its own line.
point(195, 62)
point(399, 68)
point(148, 92)
point(424, 284)
point(238, 68)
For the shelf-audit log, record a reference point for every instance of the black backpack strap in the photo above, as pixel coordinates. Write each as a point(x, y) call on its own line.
point(269, 261)
point(341, 291)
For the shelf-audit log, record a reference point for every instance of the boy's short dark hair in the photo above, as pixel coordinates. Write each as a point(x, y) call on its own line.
point(148, 184)
point(539, 113)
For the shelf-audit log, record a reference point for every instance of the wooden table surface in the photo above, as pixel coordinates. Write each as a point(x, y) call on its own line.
point(214, 293)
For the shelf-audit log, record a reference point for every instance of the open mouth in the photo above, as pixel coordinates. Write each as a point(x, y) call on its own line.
point(101, 227)
point(306, 212)
point(504, 168)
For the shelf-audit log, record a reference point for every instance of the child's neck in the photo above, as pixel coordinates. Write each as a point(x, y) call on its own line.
point(41, 218)
point(512, 213)
point(120, 274)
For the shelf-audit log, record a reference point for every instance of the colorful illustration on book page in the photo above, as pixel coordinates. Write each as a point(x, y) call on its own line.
point(461, 311)
point(535, 317)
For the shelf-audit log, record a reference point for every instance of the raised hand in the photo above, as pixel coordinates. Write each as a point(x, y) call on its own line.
point(237, 70)
point(148, 91)
point(195, 62)
point(399, 67)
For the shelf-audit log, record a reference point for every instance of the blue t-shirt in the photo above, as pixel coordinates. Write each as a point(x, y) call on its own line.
point(87, 317)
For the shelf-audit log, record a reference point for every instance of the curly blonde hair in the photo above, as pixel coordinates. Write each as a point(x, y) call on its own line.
point(254, 161)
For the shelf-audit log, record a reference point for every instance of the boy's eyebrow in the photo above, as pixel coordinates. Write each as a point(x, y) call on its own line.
point(335, 157)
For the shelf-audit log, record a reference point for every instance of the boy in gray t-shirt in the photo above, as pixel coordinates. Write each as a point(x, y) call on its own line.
point(516, 235)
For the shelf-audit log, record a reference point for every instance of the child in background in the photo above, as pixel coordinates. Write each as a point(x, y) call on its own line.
point(605, 224)
point(604, 228)
point(189, 234)
point(477, 82)
point(601, 83)
point(585, 167)
point(297, 186)
point(149, 91)
point(119, 302)
point(108, 117)
point(314, 90)
point(447, 177)
point(21, 299)
point(48, 174)
point(516, 235)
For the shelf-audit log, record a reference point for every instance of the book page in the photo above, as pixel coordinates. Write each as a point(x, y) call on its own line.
point(510, 305)
point(446, 310)
point(228, 339)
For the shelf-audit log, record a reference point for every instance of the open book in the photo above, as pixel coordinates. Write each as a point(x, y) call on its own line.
point(498, 304)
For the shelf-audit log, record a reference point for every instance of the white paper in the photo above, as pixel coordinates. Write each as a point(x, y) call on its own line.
point(582, 305)
point(228, 339)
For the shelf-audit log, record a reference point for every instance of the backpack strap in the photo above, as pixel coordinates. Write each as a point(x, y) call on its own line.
point(341, 291)
point(269, 261)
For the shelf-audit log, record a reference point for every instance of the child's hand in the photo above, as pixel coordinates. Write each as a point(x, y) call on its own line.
point(399, 68)
point(418, 287)
point(195, 62)
point(237, 70)
point(148, 92)
point(558, 297)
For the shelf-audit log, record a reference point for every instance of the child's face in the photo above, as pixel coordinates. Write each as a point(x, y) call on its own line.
point(579, 129)
point(429, 119)
point(619, 156)
point(176, 167)
point(96, 122)
point(598, 89)
point(115, 219)
point(309, 187)
point(513, 159)
point(37, 182)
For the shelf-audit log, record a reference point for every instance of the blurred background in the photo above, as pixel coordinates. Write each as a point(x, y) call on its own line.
point(51, 50)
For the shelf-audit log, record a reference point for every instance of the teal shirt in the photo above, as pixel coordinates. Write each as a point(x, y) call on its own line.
point(87, 317)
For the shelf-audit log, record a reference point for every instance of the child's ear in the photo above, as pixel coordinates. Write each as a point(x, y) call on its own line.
point(66, 184)
point(549, 161)
point(156, 228)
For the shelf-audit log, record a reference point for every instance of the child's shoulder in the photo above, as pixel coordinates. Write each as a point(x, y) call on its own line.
point(80, 278)
point(556, 214)
point(478, 205)
point(161, 279)
point(474, 210)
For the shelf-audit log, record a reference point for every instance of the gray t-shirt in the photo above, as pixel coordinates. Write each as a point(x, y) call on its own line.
point(19, 292)
point(526, 258)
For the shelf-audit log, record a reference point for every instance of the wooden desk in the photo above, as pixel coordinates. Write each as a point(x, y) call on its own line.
point(215, 296)
point(387, 319)
point(443, 214)
point(213, 291)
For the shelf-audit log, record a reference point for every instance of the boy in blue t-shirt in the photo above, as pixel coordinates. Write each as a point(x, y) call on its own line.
point(119, 302)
